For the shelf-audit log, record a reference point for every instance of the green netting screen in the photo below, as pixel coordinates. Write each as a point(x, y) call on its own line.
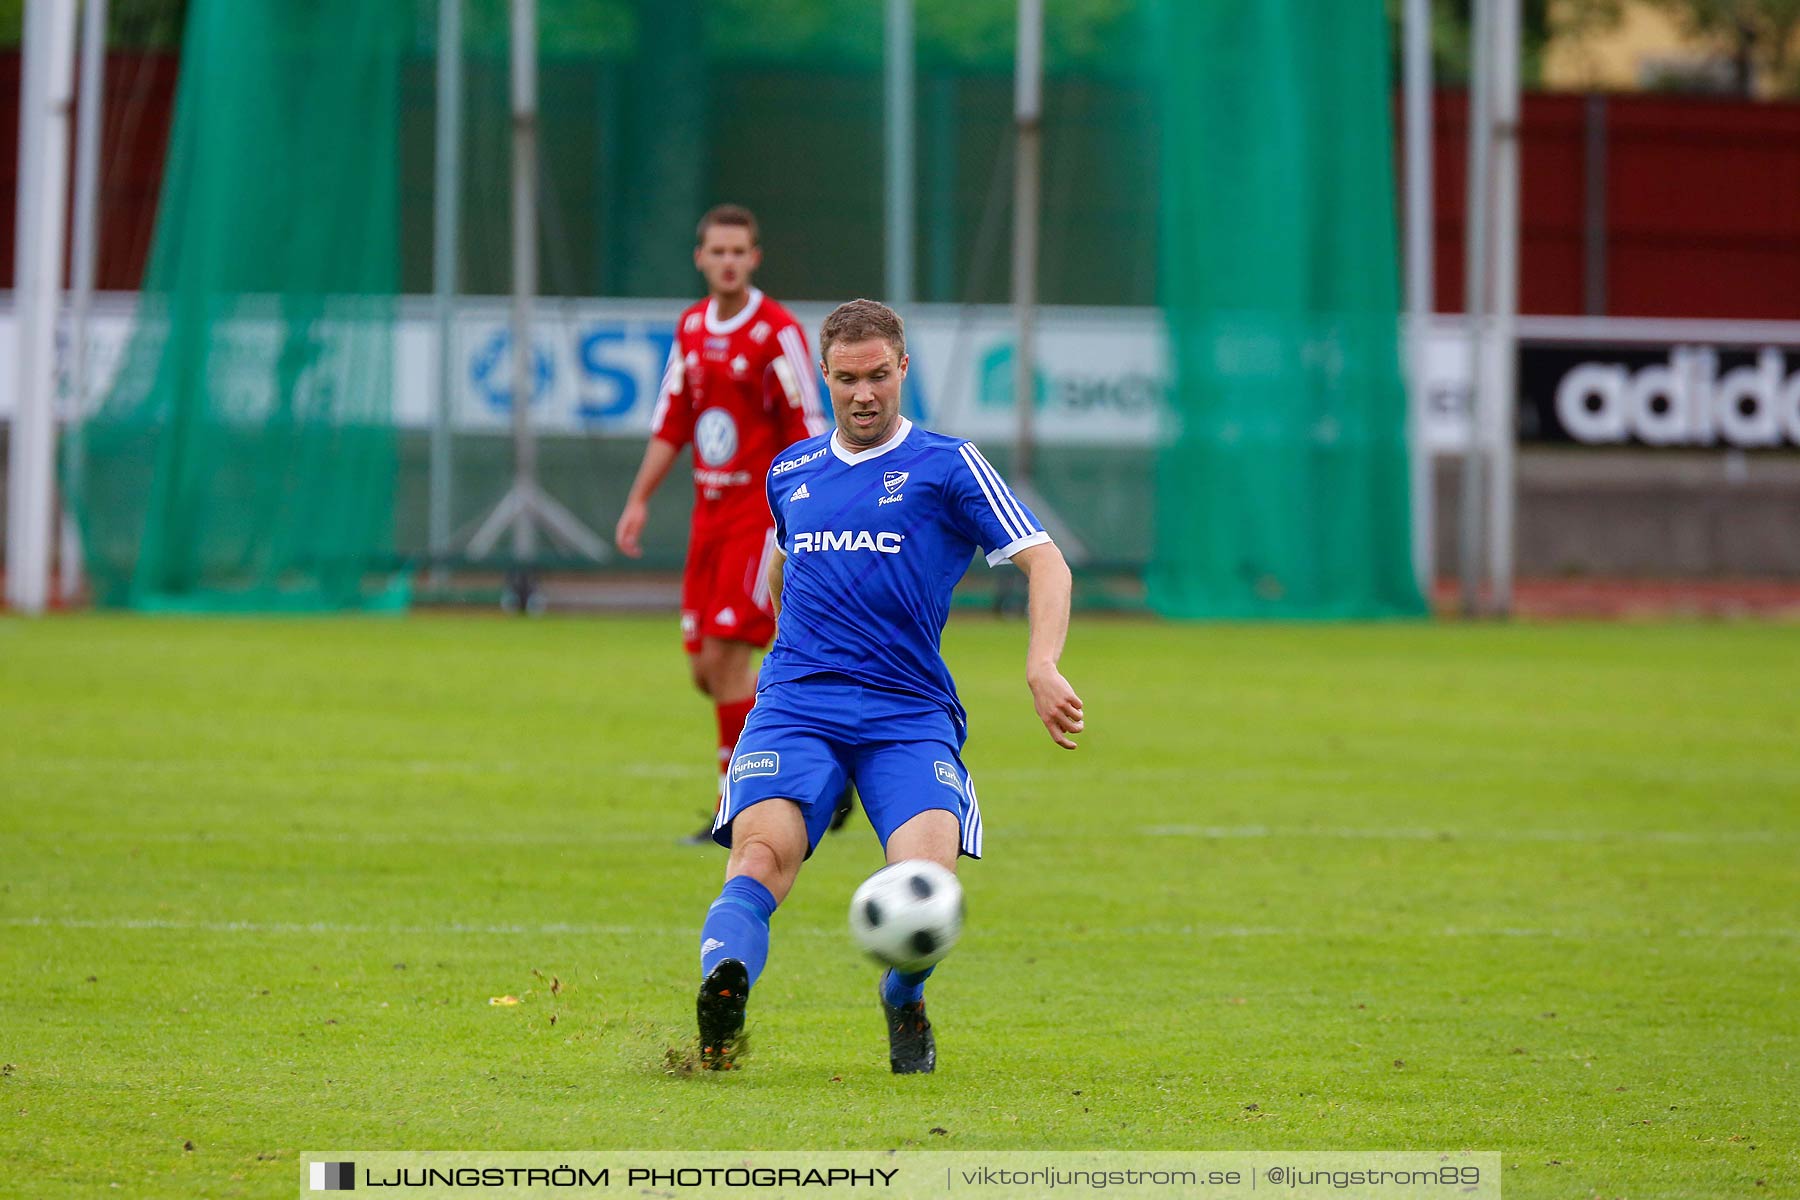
point(1284, 489)
point(652, 110)
point(246, 456)
point(259, 449)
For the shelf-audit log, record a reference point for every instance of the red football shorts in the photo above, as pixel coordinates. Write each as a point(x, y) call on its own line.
point(725, 589)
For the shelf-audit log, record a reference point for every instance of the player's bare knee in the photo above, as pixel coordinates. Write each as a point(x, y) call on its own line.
point(700, 672)
point(934, 835)
point(756, 857)
point(768, 843)
point(764, 860)
point(723, 670)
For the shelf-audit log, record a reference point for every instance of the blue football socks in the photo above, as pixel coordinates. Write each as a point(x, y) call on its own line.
point(737, 926)
point(900, 989)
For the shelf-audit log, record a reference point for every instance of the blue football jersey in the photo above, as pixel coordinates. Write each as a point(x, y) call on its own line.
point(875, 542)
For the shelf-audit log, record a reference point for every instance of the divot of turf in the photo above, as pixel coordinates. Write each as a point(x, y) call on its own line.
point(681, 1061)
point(684, 1059)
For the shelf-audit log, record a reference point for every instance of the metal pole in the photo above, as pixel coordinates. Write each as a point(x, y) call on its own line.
point(83, 255)
point(446, 190)
point(1028, 87)
point(1420, 297)
point(46, 96)
point(900, 152)
point(1475, 254)
point(940, 201)
point(524, 254)
point(1504, 363)
point(1593, 208)
point(526, 504)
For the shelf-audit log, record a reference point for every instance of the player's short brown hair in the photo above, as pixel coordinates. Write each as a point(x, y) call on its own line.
point(728, 214)
point(860, 320)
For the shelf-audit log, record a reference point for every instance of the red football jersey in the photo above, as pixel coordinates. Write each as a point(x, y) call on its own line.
point(741, 391)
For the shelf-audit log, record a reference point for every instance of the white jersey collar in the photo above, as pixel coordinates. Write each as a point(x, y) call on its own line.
point(714, 325)
point(856, 456)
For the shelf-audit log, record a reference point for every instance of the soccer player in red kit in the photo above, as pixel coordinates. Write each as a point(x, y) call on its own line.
point(740, 386)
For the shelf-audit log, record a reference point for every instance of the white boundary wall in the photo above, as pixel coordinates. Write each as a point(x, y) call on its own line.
point(1102, 371)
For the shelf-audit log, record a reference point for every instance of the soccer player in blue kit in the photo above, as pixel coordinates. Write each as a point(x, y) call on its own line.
point(874, 524)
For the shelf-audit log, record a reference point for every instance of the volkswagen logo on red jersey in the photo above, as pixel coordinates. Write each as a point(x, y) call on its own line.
point(715, 437)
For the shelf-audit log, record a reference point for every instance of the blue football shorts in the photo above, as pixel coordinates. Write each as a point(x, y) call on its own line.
point(806, 738)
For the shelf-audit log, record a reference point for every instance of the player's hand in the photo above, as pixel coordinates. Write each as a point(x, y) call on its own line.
point(1058, 707)
point(630, 529)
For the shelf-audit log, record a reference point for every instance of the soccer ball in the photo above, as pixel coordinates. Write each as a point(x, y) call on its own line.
point(908, 914)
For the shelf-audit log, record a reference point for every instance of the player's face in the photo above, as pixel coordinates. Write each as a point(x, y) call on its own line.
point(726, 257)
point(864, 378)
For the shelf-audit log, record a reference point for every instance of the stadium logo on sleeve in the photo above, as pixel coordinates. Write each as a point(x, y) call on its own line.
point(946, 775)
point(788, 464)
point(333, 1177)
point(755, 762)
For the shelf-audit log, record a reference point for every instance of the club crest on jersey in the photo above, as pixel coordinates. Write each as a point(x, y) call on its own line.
point(893, 481)
point(756, 762)
point(715, 437)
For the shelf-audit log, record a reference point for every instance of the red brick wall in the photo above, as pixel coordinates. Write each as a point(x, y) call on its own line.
point(1702, 210)
point(1702, 206)
point(140, 102)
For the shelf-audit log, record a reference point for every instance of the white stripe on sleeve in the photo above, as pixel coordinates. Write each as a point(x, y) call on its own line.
point(794, 350)
point(1013, 530)
point(1017, 544)
point(671, 386)
point(1006, 493)
point(759, 594)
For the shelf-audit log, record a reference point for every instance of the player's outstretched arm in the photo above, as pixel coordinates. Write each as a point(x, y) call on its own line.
point(1047, 610)
point(659, 456)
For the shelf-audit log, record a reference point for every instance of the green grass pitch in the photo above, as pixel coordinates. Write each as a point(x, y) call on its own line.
point(1533, 889)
